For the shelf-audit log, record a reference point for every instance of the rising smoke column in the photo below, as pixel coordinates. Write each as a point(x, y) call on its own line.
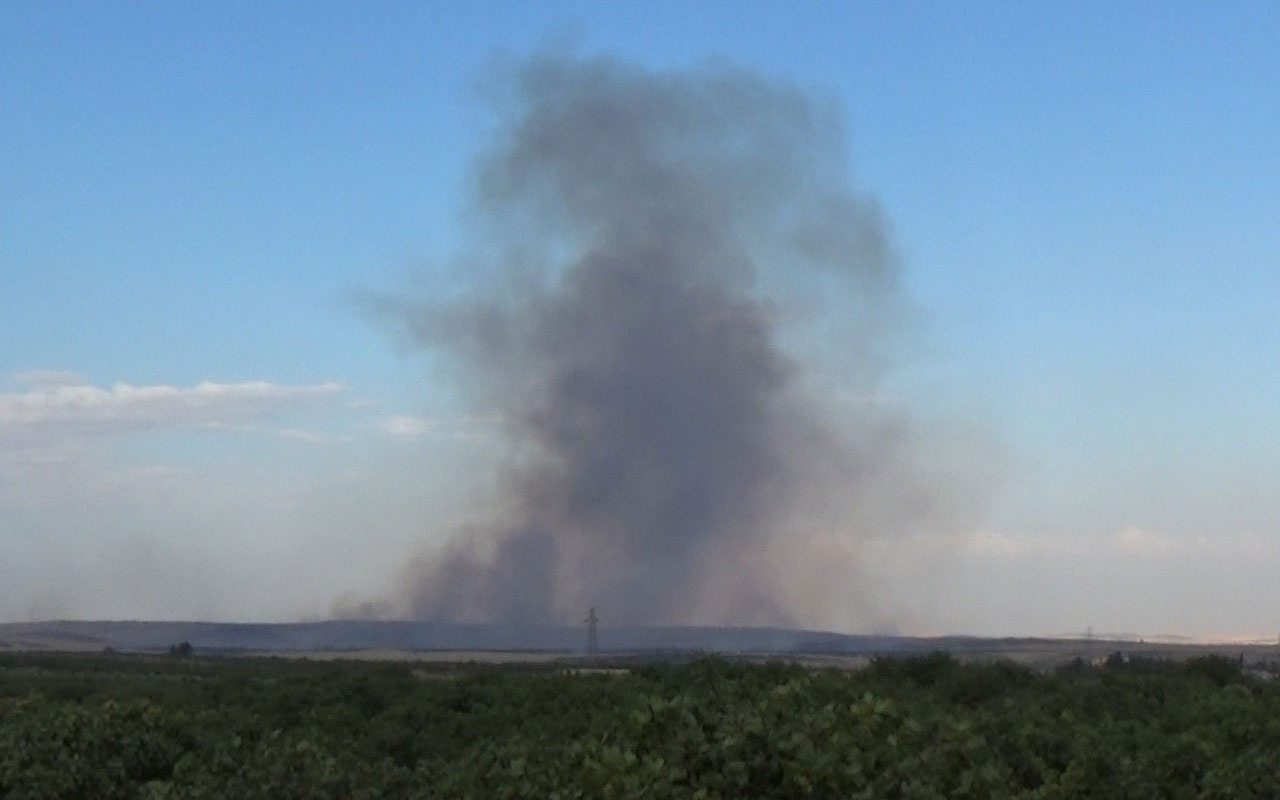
point(643, 245)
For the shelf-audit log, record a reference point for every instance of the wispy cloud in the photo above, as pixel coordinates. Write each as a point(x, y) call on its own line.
point(1133, 540)
point(1130, 542)
point(86, 408)
point(470, 426)
point(310, 437)
point(852, 398)
point(404, 426)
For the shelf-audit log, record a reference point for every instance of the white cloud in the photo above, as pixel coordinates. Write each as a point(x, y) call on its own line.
point(853, 398)
point(404, 426)
point(469, 427)
point(1134, 579)
point(1000, 544)
point(1133, 540)
point(84, 407)
point(310, 437)
point(1130, 540)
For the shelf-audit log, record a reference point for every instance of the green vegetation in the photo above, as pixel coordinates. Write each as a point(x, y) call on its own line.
point(115, 726)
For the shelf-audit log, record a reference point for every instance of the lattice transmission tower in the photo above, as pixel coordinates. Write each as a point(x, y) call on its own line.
point(591, 621)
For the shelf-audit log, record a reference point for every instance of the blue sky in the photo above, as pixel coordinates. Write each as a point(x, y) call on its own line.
point(1083, 197)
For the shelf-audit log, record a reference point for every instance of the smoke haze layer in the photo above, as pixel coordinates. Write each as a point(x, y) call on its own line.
point(638, 305)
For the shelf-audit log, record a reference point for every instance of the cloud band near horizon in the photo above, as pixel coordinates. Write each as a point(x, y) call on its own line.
point(126, 407)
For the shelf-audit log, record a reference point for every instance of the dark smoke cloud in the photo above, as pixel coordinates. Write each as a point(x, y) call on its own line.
point(645, 245)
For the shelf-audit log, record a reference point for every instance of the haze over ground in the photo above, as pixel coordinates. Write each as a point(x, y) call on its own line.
point(200, 419)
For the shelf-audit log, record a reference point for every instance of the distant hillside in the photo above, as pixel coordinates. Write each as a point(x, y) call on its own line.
point(410, 636)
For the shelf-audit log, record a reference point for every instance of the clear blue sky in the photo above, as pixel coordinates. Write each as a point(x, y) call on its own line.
point(1084, 197)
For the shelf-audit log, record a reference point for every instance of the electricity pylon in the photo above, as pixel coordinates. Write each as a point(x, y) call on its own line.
point(591, 621)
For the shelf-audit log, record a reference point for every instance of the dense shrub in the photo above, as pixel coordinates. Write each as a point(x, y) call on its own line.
point(136, 727)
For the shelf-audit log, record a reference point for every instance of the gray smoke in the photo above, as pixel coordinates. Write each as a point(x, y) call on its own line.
point(658, 262)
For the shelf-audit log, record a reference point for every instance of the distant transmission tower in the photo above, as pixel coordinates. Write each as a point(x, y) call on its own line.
point(591, 621)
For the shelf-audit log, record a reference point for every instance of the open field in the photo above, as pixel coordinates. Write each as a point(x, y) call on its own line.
point(503, 644)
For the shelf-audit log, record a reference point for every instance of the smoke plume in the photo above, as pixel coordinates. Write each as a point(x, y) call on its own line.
point(667, 282)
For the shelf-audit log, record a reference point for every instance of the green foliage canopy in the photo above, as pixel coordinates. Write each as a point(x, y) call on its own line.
point(141, 727)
